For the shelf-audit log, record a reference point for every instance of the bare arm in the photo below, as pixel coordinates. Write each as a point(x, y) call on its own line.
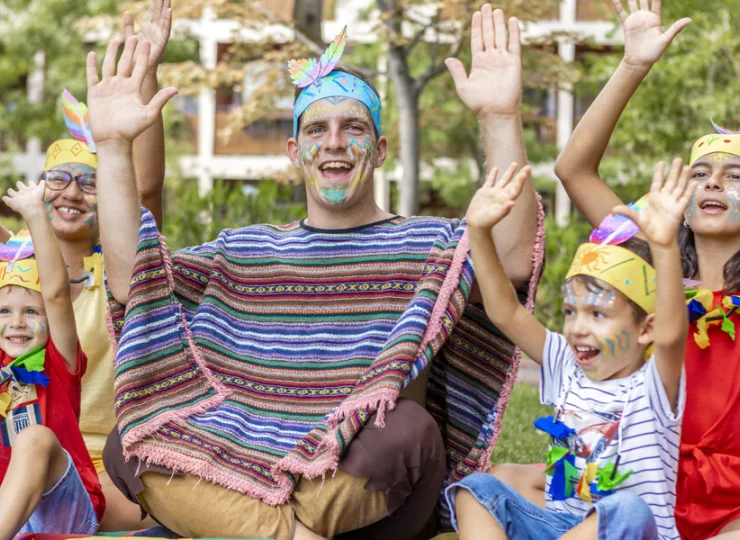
point(489, 207)
point(493, 91)
point(117, 116)
point(577, 166)
point(659, 223)
point(28, 200)
point(149, 148)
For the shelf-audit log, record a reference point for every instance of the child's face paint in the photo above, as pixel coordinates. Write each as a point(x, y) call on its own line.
point(715, 207)
point(337, 150)
point(23, 322)
point(601, 329)
point(73, 213)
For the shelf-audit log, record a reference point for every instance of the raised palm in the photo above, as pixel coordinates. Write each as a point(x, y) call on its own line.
point(495, 81)
point(495, 199)
point(660, 219)
point(27, 197)
point(644, 38)
point(156, 30)
point(116, 110)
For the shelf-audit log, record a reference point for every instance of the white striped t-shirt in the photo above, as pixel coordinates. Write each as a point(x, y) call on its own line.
point(630, 416)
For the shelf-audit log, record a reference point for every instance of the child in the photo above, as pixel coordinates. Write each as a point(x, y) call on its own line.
point(617, 416)
point(48, 480)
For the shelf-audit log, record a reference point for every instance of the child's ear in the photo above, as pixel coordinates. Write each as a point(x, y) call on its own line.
point(646, 330)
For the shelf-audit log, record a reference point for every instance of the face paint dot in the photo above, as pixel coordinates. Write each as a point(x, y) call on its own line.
point(626, 281)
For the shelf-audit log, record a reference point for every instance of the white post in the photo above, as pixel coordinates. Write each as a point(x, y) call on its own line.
point(206, 105)
point(382, 186)
point(566, 108)
point(35, 89)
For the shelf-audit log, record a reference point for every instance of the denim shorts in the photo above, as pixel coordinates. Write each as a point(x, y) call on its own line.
point(65, 509)
point(622, 515)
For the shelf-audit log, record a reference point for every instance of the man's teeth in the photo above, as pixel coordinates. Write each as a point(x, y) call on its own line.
point(336, 165)
point(71, 211)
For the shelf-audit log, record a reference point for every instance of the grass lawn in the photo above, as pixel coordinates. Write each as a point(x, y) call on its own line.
point(519, 441)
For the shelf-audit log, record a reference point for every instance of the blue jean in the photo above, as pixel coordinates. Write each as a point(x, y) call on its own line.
point(622, 515)
point(65, 509)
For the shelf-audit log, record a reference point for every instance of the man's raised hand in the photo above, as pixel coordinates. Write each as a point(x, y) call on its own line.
point(117, 113)
point(156, 29)
point(495, 82)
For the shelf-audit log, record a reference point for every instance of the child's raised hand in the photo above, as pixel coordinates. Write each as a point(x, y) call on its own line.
point(495, 199)
point(660, 219)
point(27, 199)
point(495, 81)
point(117, 113)
point(644, 38)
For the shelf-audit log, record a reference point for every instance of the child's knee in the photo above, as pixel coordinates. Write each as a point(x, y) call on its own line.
point(627, 509)
point(36, 440)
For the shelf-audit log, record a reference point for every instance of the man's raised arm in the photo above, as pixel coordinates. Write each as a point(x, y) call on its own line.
point(493, 91)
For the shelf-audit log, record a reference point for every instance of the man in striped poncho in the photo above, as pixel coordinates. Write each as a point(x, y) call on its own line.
point(278, 354)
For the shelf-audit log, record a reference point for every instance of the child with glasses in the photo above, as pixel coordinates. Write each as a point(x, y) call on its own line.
point(47, 480)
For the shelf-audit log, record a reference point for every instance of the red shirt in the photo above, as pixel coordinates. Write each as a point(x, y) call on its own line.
point(56, 406)
point(708, 486)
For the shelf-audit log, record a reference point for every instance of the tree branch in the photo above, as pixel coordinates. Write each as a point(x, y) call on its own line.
point(420, 34)
point(423, 79)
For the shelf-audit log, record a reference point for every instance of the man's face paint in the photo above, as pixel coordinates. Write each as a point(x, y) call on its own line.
point(73, 213)
point(337, 149)
point(601, 329)
point(715, 207)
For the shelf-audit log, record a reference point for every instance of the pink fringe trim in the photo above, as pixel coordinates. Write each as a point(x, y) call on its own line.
point(149, 453)
point(150, 427)
point(538, 259)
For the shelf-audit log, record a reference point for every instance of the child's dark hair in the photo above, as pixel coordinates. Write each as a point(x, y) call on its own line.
point(690, 261)
point(593, 285)
point(344, 69)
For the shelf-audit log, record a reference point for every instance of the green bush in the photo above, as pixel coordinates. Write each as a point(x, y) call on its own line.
point(191, 219)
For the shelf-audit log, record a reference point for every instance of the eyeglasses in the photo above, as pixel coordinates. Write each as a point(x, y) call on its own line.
point(59, 180)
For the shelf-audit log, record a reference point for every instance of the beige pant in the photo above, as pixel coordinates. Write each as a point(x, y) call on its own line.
point(194, 508)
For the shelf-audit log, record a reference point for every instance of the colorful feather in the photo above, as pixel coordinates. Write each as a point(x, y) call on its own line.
point(308, 71)
point(723, 130)
point(17, 247)
point(617, 229)
point(75, 117)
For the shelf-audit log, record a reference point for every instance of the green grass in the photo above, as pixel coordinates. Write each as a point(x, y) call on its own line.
point(520, 442)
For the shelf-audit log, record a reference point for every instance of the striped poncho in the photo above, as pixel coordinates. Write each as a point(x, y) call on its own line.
point(257, 357)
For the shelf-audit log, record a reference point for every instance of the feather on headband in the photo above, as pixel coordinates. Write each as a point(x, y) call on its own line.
point(75, 117)
point(307, 71)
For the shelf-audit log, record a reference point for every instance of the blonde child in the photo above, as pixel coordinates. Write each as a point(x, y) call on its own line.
point(48, 480)
point(617, 415)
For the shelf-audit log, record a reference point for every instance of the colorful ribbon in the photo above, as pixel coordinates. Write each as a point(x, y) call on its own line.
point(699, 303)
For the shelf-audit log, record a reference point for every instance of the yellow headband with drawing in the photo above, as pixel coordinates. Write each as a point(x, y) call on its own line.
point(69, 151)
point(17, 265)
point(716, 142)
point(624, 270)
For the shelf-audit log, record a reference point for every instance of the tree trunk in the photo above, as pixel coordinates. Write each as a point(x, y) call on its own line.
point(408, 130)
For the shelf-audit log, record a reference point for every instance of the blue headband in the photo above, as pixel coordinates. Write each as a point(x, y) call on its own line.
point(337, 84)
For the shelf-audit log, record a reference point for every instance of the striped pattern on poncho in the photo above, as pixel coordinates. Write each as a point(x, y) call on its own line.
point(257, 357)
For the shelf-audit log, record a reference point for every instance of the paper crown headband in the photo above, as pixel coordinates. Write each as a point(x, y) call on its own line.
point(81, 150)
point(319, 82)
point(603, 259)
point(16, 268)
point(724, 140)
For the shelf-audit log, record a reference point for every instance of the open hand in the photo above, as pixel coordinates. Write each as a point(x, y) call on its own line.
point(644, 39)
point(26, 199)
point(495, 199)
point(660, 219)
point(495, 81)
point(156, 30)
point(117, 112)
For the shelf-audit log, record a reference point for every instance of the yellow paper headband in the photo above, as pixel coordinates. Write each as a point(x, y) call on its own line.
point(24, 273)
point(69, 151)
point(716, 142)
point(624, 270)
